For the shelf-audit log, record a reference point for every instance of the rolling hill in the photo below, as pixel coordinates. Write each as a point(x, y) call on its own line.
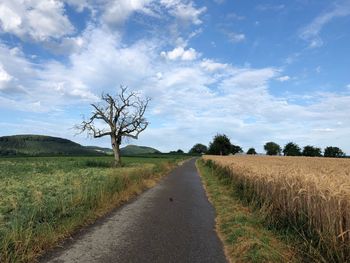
point(39, 145)
point(137, 150)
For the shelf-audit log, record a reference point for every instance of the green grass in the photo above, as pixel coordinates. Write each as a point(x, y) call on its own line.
point(45, 199)
point(242, 229)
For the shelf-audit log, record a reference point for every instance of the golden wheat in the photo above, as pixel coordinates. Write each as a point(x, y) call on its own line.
point(312, 194)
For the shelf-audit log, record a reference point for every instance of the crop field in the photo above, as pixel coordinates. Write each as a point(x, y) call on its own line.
point(44, 199)
point(309, 195)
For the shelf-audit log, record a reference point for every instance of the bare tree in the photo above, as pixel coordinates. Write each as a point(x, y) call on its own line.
point(123, 115)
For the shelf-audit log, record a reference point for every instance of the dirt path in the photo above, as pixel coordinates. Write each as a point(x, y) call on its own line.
point(172, 222)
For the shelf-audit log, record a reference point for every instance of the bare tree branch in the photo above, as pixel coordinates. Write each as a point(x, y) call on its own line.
point(123, 115)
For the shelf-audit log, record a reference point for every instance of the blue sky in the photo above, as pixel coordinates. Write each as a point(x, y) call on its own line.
point(257, 71)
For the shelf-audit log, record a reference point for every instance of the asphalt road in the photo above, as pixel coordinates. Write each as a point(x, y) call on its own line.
point(172, 222)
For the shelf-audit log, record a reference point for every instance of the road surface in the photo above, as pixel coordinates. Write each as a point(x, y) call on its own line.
point(172, 222)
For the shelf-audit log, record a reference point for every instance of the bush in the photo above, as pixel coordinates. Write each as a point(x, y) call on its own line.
point(251, 151)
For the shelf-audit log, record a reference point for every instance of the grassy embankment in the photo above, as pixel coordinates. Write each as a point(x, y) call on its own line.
point(45, 199)
point(242, 230)
point(307, 198)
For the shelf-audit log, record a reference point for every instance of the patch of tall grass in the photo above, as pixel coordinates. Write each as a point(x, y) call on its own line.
point(43, 200)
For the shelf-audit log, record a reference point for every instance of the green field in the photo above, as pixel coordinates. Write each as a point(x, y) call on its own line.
point(44, 199)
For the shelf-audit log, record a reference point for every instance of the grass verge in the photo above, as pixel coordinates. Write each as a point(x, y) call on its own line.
point(44, 200)
point(242, 229)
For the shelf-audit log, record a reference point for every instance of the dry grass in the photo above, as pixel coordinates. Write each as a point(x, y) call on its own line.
point(312, 195)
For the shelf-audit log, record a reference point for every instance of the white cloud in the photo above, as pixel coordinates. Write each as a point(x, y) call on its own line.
point(46, 20)
point(235, 37)
point(311, 32)
point(179, 53)
point(81, 4)
point(211, 65)
point(8, 84)
point(247, 78)
point(116, 12)
point(13, 68)
point(49, 83)
point(283, 78)
point(66, 45)
point(21, 106)
point(36, 19)
point(185, 11)
point(90, 71)
point(4, 76)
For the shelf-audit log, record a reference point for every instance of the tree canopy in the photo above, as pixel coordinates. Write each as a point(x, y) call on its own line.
point(312, 151)
point(198, 149)
point(291, 149)
point(236, 149)
point(334, 152)
point(272, 148)
point(221, 145)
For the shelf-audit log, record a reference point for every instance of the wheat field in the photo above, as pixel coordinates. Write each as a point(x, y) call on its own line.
point(311, 195)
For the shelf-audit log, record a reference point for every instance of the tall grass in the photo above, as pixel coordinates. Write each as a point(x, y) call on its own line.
point(310, 195)
point(42, 200)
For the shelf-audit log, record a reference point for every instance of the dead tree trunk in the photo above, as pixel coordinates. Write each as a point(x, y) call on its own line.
point(116, 151)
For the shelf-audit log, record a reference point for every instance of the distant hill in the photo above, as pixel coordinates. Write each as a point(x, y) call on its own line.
point(39, 145)
point(137, 150)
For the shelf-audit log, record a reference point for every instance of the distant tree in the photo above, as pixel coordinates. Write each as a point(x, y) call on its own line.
point(312, 151)
point(198, 149)
point(236, 149)
point(122, 116)
point(220, 145)
point(334, 152)
point(272, 148)
point(291, 149)
point(251, 151)
point(180, 151)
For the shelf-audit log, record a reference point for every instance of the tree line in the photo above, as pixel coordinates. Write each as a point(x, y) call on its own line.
point(221, 145)
point(293, 149)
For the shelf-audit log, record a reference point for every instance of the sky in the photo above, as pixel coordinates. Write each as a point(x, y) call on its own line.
point(256, 71)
